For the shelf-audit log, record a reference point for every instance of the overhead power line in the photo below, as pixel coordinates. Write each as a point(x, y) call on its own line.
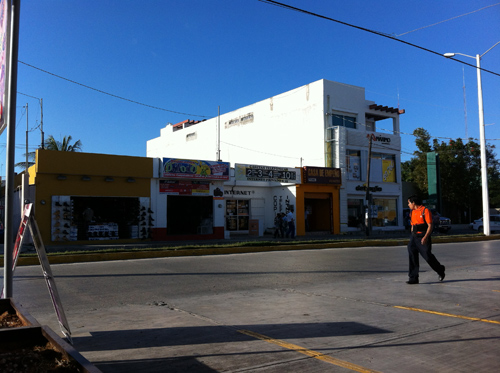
point(449, 19)
point(110, 94)
point(385, 35)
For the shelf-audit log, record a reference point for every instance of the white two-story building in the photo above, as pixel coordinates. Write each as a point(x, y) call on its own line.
point(323, 124)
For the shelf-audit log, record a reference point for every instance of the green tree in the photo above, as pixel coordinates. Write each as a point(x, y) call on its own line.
point(415, 170)
point(460, 174)
point(52, 144)
point(63, 146)
point(31, 161)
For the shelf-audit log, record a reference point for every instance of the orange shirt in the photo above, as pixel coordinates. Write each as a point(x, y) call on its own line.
point(418, 215)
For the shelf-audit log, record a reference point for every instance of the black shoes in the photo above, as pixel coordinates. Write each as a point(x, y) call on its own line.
point(441, 276)
point(415, 281)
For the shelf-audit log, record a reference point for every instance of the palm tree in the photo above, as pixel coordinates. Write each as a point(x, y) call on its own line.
point(52, 144)
point(64, 146)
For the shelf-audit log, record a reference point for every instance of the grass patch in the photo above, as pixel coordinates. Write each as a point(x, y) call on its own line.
point(258, 243)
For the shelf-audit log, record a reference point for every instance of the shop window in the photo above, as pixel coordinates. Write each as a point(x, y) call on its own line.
point(382, 168)
point(355, 213)
point(99, 218)
point(384, 213)
point(343, 121)
point(237, 214)
point(353, 164)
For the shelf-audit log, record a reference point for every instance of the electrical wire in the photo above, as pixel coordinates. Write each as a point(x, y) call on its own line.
point(258, 151)
point(446, 20)
point(109, 94)
point(24, 94)
point(383, 34)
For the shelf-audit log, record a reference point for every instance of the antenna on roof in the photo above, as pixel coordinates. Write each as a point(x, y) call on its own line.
point(218, 135)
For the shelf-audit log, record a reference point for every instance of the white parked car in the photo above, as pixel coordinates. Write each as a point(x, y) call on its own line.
point(477, 225)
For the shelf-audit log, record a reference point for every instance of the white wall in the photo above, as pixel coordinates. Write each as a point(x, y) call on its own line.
point(262, 198)
point(281, 130)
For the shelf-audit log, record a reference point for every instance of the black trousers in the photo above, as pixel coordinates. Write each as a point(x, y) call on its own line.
point(415, 247)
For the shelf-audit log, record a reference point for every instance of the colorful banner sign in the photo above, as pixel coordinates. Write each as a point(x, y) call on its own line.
point(248, 172)
point(388, 171)
point(322, 175)
point(188, 188)
point(195, 169)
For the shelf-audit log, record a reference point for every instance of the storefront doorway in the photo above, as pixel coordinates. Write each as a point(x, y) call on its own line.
point(319, 212)
point(189, 215)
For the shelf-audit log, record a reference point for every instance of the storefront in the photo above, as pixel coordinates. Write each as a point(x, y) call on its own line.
point(318, 202)
point(82, 197)
point(189, 198)
point(255, 194)
point(385, 211)
point(84, 218)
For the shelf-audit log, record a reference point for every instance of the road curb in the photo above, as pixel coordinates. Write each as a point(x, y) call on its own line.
point(59, 258)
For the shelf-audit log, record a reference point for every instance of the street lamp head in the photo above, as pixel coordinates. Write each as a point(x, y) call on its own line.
point(449, 55)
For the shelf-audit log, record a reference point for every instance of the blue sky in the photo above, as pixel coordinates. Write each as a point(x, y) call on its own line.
point(189, 57)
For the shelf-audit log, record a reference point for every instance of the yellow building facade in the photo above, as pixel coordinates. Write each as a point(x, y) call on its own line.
point(83, 197)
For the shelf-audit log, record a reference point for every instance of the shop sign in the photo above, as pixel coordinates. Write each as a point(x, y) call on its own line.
point(378, 138)
point(232, 192)
point(242, 119)
point(180, 187)
point(371, 189)
point(322, 175)
point(247, 172)
point(195, 169)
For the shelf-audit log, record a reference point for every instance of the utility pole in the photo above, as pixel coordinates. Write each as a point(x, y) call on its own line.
point(368, 197)
point(25, 176)
point(41, 123)
point(218, 135)
point(13, 10)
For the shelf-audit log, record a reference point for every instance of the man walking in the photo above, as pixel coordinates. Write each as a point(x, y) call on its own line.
point(420, 240)
point(291, 224)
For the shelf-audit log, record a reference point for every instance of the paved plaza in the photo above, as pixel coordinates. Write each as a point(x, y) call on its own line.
point(327, 310)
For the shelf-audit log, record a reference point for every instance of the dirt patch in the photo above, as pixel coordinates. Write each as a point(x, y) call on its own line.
point(8, 320)
point(38, 358)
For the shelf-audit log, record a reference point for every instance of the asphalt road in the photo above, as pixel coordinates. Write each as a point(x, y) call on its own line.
point(328, 310)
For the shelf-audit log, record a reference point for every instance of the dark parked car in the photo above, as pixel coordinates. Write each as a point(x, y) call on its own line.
point(444, 223)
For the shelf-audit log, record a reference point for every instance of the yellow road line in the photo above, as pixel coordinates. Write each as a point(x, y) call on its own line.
point(448, 314)
point(311, 353)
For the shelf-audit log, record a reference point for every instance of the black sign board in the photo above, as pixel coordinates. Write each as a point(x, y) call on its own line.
point(322, 175)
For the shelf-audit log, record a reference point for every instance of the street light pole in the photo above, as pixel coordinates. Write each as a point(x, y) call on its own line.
point(484, 169)
point(484, 165)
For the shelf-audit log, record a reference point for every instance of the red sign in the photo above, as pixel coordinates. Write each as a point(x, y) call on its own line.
point(180, 187)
